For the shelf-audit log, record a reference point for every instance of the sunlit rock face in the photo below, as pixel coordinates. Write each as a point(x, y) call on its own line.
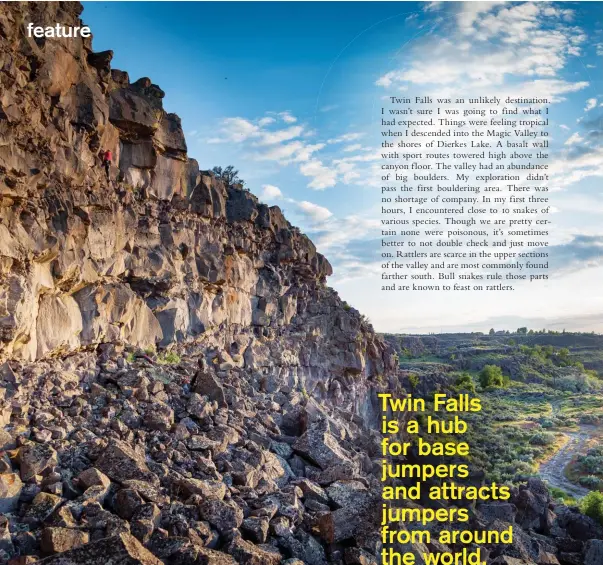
point(164, 254)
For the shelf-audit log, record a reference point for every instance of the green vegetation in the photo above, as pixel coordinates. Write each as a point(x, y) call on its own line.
point(414, 380)
point(543, 438)
point(465, 382)
point(587, 469)
point(168, 358)
point(592, 505)
point(535, 387)
point(561, 496)
point(229, 175)
point(491, 376)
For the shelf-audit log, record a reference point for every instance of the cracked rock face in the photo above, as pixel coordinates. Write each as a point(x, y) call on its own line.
point(164, 254)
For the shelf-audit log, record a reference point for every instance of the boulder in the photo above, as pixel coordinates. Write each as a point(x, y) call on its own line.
point(124, 549)
point(319, 446)
point(224, 516)
point(491, 511)
point(36, 458)
point(10, 490)
point(120, 462)
point(593, 552)
point(205, 556)
point(349, 521)
point(206, 384)
point(169, 135)
point(58, 325)
point(41, 507)
point(247, 553)
point(132, 113)
point(93, 477)
point(59, 540)
point(208, 489)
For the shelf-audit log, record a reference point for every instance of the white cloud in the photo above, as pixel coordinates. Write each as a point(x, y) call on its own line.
point(322, 176)
point(346, 137)
point(353, 147)
point(590, 104)
point(528, 40)
point(285, 154)
point(266, 121)
point(563, 126)
point(239, 130)
point(236, 130)
point(270, 192)
point(287, 117)
point(573, 139)
point(278, 136)
point(432, 6)
point(470, 13)
point(314, 211)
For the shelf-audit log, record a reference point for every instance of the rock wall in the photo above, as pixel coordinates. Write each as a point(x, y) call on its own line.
point(167, 254)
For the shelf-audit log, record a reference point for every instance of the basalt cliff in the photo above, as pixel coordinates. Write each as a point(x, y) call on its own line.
point(179, 383)
point(165, 254)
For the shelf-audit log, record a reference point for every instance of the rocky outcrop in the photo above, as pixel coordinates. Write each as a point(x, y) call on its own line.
point(164, 254)
point(222, 447)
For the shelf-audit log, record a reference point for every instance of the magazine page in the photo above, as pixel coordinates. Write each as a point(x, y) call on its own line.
point(301, 283)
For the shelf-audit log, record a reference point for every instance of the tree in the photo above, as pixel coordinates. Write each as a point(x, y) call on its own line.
point(522, 331)
point(465, 382)
point(564, 356)
point(491, 332)
point(491, 375)
point(414, 380)
point(229, 175)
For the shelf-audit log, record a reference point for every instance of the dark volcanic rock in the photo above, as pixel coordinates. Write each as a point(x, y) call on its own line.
point(123, 549)
point(120, 462)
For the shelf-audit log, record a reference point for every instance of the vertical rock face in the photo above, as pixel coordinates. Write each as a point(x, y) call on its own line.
point(165, 254)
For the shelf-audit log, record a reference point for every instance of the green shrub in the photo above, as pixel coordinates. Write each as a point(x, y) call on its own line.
point(590, 419)
point(592, 506)
point(592, 463)
point(465, 382)
point(596, 451)
point(168, 358)
point(562, 496)
point(591, 482)
point(543, 438)
point(491, 375)
point(413, 379)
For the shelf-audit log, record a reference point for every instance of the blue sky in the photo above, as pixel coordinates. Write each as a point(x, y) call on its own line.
point(290, 93)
